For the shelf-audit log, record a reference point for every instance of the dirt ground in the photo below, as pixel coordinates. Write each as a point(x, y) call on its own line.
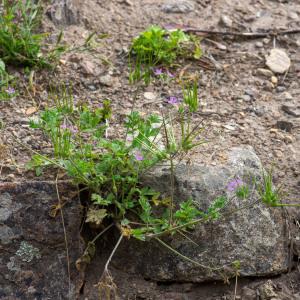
point(239, 105)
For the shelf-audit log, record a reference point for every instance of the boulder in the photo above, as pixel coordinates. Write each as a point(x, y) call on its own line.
point(255, 236)
point(33, 261)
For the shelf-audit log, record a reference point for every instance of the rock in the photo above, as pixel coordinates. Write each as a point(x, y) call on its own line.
point(291, 109)
point(280, 89)
point(287, 96)
point(274, 80)
point(150, 96)
point(284, 125)
point(259, 45)
point(226, 21)
point(106, 80)
point(264, 72)
point(178, 6)
point(267, 291)
point(248, 294)
point(278, 61)
point(64, 12)
point(88, 67)
point(33, 253)
point(247, 98)
point(249, 235)
point(293, 15)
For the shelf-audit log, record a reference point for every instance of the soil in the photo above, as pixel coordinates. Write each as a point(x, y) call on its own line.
point(239, 105)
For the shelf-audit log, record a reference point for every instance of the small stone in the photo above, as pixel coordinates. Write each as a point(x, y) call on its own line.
point(287, 96)
point(31, 110)
point(274, 80)
point(291, 110)
point(88, 67)
point(248, 294)
point(278, 61)
point(280, 89)
point(106, 80)
point(149, 96)
point(246, 98)
point(288, 139)
point(173, 6)
point(10, 177)
point(293, 15)
point(264, 72)
point(226, 21)
point(284, 125)
point(259, 45)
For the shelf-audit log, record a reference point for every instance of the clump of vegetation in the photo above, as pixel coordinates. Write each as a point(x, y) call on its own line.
point(7, 90)
point(157, 46)
point(20, 41)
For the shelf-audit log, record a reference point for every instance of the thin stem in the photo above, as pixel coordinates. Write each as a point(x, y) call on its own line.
point(113, 252)
point(187, 258)
point(102, 232)
point(65, 234)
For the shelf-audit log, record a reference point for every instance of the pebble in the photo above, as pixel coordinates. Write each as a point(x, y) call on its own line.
point(175, 6)
point(88, 67)
point(246, 98)
point(291, 110)
point(259, 44)
point(293, 15)
point(288, 96)
point(106, 80)
point(284, 125)
point(274, 80)
point(264, 72)
point(278, 61)
point(280, 89)
point(149, 96)
point(226, 21)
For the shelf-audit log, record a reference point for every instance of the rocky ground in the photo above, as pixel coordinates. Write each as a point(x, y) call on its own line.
point(249, 95)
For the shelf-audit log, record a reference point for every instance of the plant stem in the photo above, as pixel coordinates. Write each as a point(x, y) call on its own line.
point(187, 258)
point(113, 252)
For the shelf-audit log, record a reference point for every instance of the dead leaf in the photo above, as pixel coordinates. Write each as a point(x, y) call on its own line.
point(95, 216)
point(31, 110)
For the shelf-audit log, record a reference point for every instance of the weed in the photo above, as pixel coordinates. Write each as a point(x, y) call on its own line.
point(7, 90)
point(156, 46)
point(20, 44)
point(269, 194)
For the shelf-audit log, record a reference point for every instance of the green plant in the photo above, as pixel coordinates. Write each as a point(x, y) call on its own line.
point(7, 90)
point(270, 195)
point(20, 42)
point(157, 46)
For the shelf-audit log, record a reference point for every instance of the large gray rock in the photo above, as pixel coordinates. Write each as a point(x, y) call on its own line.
point(255, 236)
point(33, 261)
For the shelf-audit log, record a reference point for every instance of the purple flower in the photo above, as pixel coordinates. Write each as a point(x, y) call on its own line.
point(173, 100)
point(63, 126)
point(170, 74)
point(10, 91)
point(138, 156)
point(234, 184)
point(73, 129)
point(158, 71)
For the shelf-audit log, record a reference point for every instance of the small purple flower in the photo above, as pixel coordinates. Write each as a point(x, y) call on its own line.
point(158, 71)
point(73, 129)
point(173, 100)
point(138, 156)
point(170, 74)
point(10, 91)
point(234, 184)
point(63, 126)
